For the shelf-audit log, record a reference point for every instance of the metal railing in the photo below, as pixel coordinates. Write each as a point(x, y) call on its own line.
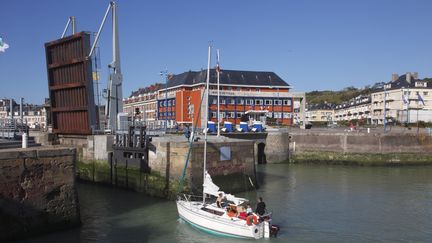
point(189, 197)
point(12, 128)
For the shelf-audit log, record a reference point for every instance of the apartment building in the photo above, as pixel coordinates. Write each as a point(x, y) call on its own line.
point(256, 95)
point(358, 108)
point(142, 105)
point(406, 99)
point(35, 116)
point(320, 113)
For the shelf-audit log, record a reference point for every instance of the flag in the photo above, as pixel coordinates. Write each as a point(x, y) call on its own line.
point(404, 98)
point(3, 45)
point(218, 69)
point(96, 76)
point(420, 99)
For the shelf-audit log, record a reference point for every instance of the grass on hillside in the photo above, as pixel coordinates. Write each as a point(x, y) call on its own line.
point(335, 97)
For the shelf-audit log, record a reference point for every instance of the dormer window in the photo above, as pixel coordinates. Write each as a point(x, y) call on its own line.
point(420, 84)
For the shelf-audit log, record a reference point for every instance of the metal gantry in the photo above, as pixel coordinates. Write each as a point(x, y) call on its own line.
point(71, 21)
point(114, 92)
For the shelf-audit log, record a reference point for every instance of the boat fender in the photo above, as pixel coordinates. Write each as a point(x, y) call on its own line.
point(250, 218)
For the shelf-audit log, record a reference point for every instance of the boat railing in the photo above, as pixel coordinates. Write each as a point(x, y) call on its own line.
point(267, 214)
point(189, 197)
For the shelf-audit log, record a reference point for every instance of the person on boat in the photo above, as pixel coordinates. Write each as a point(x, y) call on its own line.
point(219, 200)
point(249, 210)
point(242, 213)
point(261, 207)
point(232, 211)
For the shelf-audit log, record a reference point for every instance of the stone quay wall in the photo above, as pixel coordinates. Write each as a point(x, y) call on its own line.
point(231, 172)
point(277, 147)
point(167, 156)
point(91, 147)
point(361, 148)
point(37, 191)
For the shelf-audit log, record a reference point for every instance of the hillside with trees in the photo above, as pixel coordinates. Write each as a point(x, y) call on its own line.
point(337, 97)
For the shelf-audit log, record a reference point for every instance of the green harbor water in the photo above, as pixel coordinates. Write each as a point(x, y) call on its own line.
point(311, 203)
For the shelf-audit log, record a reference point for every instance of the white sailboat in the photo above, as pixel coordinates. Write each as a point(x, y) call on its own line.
point(213, 219)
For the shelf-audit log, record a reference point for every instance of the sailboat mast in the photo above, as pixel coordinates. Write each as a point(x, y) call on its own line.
point(218, 90)
point(206, 119)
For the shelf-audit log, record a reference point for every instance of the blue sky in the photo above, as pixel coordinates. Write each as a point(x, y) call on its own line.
point(311, 44)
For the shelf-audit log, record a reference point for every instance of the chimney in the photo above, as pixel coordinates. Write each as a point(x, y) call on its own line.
point(395, 77)
point(11, 108)
point(21, 109)
point(408, 77)
point(415, 75)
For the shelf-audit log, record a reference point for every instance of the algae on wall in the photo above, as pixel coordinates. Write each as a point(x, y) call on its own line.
point(152, 183)
point(363, 159)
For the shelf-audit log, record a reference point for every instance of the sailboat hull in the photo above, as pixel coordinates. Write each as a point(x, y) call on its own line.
point(191, 212)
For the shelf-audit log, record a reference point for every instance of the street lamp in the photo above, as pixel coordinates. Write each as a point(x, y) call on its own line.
point(166, 96)
point(385, 110)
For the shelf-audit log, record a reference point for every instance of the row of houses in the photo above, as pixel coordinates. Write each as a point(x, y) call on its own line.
point(243, 95)
point(35, 116)
point(405, 99)
point(256, 96)
point(253, 94)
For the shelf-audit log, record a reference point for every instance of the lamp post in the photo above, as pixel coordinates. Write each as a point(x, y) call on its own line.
point(418, 108)
point(166, 96)
point(281, 105)
point(218, 94)
point(385, 110)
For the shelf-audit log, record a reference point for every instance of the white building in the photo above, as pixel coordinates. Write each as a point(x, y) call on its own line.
point(320, 113)
point(358, 108)
point(405, 99)
point(35, 116)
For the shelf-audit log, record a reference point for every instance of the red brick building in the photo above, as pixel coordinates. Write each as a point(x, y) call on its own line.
point(256, 94)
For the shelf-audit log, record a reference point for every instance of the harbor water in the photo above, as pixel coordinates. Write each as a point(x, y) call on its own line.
point(311, 203)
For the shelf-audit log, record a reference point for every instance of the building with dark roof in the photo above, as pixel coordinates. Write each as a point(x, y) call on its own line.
point(357, 108)
point(405, 98)
point(323, 112)
point(254, 93)
point(33, 115)
point(228, 78)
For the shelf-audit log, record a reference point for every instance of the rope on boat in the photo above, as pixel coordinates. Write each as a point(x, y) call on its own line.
point(250, 180)
point(191, 144)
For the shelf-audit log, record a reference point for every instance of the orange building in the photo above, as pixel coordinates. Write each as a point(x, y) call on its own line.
point(256, 95)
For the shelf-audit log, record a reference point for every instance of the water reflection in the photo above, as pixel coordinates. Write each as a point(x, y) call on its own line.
point(311, 203)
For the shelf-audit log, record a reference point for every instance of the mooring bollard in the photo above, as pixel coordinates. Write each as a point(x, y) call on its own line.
point(24, 140)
